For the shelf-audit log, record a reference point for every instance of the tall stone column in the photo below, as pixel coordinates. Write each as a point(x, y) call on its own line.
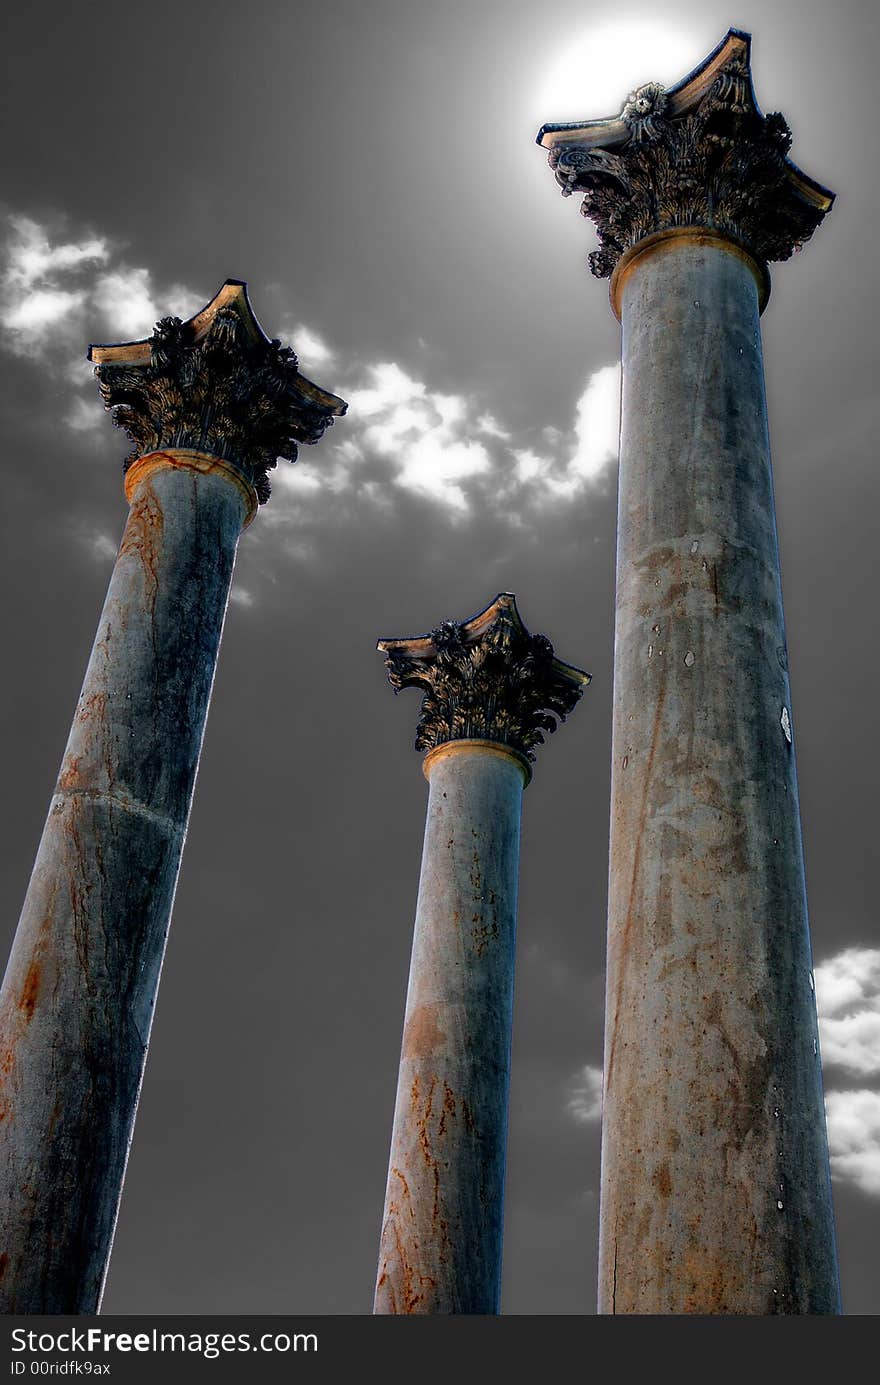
point(715, 1187)
point(491, 691)
point(209, 405)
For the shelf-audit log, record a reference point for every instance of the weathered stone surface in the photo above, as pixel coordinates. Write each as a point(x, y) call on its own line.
point(209, 404)
point(441, 1235)
point(78, 995)
point(715, 1188)
point(488, 687)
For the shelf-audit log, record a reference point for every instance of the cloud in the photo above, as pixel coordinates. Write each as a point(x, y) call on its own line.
point(560, 471)
point(57, 294)
point(423, 431)
point(388, 388)
point(845, 979)
point(853, 1042)
point(311, 348)
point(42, 283)
point(585, 1101)
point(125, 300)
point(530, 466)
point(436, 464)
point(487, 423)
point(597, 424)
point(854, 1138)
point(39, 309)
point(848, 1000)
point(86, 415)
point(100, 547)
point(299, 480)
point(32, 259)
point(402, 436)
point(449, 449)
point(241, 596)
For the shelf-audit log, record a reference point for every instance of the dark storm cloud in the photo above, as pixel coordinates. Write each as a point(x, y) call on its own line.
point(371, 171)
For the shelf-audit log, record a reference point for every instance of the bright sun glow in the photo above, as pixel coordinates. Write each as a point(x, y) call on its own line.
point(596, 71)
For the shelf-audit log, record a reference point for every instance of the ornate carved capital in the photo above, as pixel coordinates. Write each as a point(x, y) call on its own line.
point(486, 678)
point(699, 154)
point(215, 384)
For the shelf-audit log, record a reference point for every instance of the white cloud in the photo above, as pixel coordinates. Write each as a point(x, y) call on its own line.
point(447, 448)
point(423, 432)
point(488, 424)
point(530, 466)
point(297, 478)
point(241, 596)
point(32, 258)
point(853, 1042)
point(567, 464)
point(585, 1100)
point(55, 293)
point(102, 546)
point(79, 371)
point(596, 437)
point(125, 301)
point(435, 465)
point(311, 349)
point(181, 301)
point(99, 546)
point(597, 424)
point(42, 290)
point(848, 1000)
point(86, 415)
point(390, 387)
point(846, 979)
point(38, 309)
point(854, 1138)
point(400, 434)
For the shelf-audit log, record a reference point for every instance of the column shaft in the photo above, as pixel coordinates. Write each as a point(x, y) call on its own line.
point(77, 1000)
point(442, 1227)
point(715, 1188)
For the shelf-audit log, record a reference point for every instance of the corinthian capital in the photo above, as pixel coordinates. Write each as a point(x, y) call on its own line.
point(216, 384)
point(485, 678)
point(699, 154)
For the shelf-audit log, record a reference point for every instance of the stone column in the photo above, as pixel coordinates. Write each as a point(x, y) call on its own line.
point(209, 405)
point(715, 1187)
point(491, 690)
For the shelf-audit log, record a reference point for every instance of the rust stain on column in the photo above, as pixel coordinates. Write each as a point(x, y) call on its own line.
point(491, 690)
point(715, 1191)
point(79, 992)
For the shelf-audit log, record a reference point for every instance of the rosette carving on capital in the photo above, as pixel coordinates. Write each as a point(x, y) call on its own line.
point(486, 678)
point(698, 154)
point(642, 109)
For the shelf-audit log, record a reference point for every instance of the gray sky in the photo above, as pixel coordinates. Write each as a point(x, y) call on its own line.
point(371, 171)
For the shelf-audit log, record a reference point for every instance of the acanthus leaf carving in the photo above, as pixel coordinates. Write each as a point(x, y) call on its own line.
point(720, 165)
point(494, 681)
point(229, 393)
